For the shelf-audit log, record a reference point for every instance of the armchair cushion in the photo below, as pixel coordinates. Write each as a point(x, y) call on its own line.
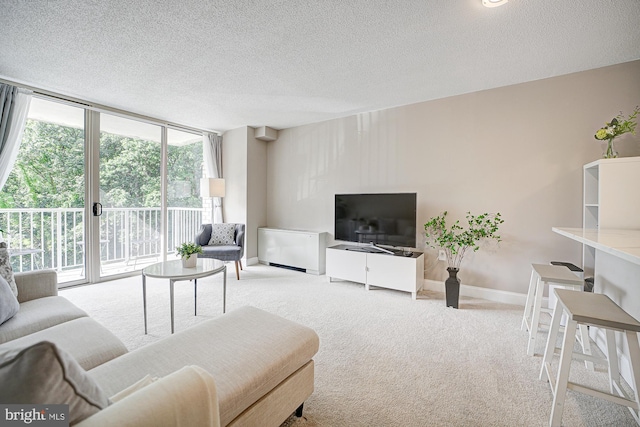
point(222, 234)
point(223, 253)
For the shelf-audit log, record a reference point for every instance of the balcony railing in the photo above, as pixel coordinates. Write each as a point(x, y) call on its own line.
point(54, 238)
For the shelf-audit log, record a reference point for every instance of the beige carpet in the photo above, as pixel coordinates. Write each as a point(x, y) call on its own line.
point(384, 359)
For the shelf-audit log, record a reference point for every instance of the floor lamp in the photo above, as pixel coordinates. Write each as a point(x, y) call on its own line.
point(212, 187)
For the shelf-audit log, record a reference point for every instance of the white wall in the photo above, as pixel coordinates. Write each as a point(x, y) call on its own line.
point(244, 160)
point(234, 171)
point(256, 192)
point(517, 150)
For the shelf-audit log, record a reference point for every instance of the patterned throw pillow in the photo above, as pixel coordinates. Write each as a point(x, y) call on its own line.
point(222, 234)
point(5, 268)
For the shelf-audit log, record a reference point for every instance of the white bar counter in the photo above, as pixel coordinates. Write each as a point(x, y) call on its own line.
point(624, 244)
point(616, 272)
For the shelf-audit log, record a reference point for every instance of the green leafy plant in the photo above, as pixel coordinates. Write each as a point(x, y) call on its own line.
point(618, 126)
point(187, 249)
point(456, 240)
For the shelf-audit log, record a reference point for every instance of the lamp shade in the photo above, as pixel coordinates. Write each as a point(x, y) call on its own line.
point(212, 187)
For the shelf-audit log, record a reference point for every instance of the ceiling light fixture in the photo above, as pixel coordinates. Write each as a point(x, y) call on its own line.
point(493, 3)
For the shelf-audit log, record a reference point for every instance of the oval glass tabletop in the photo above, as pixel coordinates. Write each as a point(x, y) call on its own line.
point(175, 270)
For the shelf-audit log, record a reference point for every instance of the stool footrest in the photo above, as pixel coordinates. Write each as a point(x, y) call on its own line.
point(636, 412)
point(589, 358)
point(583, 357)
point(620, 400)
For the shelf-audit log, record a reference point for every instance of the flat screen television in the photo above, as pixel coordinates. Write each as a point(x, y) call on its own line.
point(382, 219)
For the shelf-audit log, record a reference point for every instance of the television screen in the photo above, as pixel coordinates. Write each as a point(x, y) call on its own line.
point(381, 219)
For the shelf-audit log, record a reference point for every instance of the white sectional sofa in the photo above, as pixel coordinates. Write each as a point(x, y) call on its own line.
point(246, 368)
point(44, 315)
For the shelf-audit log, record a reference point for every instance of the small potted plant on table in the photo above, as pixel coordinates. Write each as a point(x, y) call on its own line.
point(456, 240)
point(188, 252)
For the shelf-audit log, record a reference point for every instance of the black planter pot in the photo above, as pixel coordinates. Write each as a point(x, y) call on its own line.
point(452, 287)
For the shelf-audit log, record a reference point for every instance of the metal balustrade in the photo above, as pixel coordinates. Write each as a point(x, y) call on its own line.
point(55, 238)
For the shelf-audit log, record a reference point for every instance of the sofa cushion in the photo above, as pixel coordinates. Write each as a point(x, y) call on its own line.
point(45, 374)
point(87, 341)
point(36, 284)
point(39, 314)
point(5, 268)
point(248, 351)
point(9, 305)
point(222, 234)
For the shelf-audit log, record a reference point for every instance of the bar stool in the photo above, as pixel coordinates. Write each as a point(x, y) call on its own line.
point(542, 274)
point(584, 308)
point(574, 268)
point(551, 302)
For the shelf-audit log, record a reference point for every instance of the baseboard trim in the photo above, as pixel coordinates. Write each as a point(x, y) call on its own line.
point(252, 261)
point(484, 293)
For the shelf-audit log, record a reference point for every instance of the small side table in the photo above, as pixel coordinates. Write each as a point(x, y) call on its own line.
point(174, 271)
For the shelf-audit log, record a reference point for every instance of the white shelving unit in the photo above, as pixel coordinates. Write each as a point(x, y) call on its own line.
point(611, 199)
point(381, 270)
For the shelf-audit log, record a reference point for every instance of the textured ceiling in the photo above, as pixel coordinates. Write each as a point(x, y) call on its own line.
point(219, 65)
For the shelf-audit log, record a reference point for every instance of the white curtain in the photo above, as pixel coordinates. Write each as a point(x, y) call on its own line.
point(213, 162)
point(14, 106)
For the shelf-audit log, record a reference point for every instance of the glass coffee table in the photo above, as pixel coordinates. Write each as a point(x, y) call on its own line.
point(174, 271)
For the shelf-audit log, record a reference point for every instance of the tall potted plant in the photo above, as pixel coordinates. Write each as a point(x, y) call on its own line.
point(457, 240)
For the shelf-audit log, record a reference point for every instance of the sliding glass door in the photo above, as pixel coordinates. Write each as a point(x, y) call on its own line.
point(130, 194)
point(94, 195)
point(184, 170)
point(42, 205)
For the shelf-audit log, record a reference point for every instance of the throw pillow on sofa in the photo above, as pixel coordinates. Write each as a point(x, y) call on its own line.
point(45, 374)
point(222, 234)
point(5, 268)
point(9, 305)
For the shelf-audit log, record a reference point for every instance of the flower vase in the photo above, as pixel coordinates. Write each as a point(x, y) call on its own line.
point(190, 261)
point(610, 152)
point(452, 287)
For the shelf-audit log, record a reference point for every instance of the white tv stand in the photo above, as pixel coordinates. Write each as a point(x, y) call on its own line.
point(369, 265)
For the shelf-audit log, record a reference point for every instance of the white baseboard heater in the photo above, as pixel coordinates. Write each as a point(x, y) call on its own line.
point(300, 250)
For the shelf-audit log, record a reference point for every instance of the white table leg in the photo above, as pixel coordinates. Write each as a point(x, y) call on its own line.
point(171, 296)
point(224, 290)
point(144, 301)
